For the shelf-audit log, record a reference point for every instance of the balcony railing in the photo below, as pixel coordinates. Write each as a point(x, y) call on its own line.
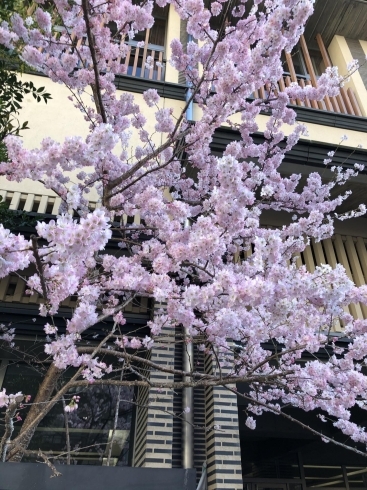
point(146, 62)
point(345, 103)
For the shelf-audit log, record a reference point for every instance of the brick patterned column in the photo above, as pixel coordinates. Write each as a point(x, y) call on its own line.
point(154, 448)
point(223, 452)
point(141, 427)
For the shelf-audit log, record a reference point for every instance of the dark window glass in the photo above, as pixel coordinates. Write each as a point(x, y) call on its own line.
point(90, 426)
point(284, 452)
point(357, 476)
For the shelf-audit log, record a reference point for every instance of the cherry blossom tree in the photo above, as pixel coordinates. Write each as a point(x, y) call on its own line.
point(189, 250)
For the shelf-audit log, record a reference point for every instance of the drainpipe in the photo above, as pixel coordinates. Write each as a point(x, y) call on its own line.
point(187, 400)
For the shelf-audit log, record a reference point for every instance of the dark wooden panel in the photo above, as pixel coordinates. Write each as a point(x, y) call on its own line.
point(346, 18)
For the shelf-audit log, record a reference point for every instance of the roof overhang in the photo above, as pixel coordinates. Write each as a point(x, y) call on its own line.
point(346, 18)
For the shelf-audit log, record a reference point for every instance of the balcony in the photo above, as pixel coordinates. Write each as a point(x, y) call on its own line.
point(303, 66)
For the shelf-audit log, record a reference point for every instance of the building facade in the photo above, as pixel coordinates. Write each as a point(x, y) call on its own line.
point(276, 455)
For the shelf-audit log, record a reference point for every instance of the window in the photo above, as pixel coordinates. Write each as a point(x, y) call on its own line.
point(280, 454)
point(90, 426)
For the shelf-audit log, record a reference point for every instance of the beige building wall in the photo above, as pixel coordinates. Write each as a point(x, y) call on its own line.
point(341, 55)
point(59, 119)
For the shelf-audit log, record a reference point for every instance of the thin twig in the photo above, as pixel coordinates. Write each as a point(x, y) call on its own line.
point(115, 421)
point(67, 432)
point(49, 464)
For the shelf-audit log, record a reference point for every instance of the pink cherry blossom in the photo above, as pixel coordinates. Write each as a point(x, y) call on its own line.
point(196, 241)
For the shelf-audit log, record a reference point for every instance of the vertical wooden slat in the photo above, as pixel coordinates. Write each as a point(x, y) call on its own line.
point(25, 297)
point(4, 283)
point(14, 204)
point(328, 104)
point(43, 204)
point(135, 308)
point(318, 252)
point(144, 305)
point(312, 74)
point(346, 100)
point(341, 104)
point(247, 253)
point(309, 260)
point(355, 265)
point(323, 50)
point(362, 255)
point(292, 71)
point(34, 298)
point(122, 41)
point(319, 255)
point(322, 105)
point(19, 290)
point(336, 101)
point(331, 260)
point(298, 260)
point(314, 104)
point(151, 71)
point(281, 84)
point(268, 89)
point(354, 102)
point(77, 48)
point(159, 71)
point(127, 59)
point(302, 84)
point(136, 58)
point(355, 309)
point(137, 219)
point(142, 73)
point(56, 206)
point(288, 81)
point(28, 206)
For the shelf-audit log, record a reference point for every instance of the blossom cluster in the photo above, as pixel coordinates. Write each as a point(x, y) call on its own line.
point(197, 242)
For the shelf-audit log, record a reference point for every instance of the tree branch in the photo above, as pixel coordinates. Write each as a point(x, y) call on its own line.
point(97, 86)
point(9, 425)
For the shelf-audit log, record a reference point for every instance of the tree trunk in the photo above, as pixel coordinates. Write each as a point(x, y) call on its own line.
point(44, 394)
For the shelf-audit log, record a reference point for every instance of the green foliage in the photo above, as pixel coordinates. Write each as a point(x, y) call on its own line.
point(7, 7)
point(13, 220)
point(12, 92)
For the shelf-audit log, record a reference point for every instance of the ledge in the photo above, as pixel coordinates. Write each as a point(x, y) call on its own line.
point(21, 315)
point(177, 91)
point(140, 85)
point(304, 114)
point(333, 119)
point(307, 153)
